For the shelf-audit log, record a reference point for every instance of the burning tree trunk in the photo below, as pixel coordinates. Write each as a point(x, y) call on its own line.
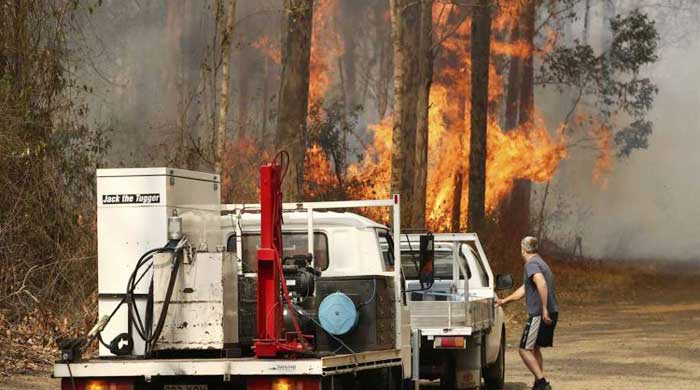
point(480, 53)
point(294, 91)
point(425, 71)
point(513, 94)
point(527, 94)
point(405, 15)
point(519, 205)
point(220, 135)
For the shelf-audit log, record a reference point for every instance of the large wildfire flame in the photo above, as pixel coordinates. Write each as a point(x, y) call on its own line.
point(528, 152)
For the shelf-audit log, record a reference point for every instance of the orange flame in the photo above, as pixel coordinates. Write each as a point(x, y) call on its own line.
point(326, 47)
point(528, 152)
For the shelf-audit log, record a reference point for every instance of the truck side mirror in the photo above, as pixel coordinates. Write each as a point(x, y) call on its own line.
point(504, 282)
point(427, 260)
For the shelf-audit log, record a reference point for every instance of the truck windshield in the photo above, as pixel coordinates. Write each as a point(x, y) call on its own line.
point(410, 261)
point(294, 244)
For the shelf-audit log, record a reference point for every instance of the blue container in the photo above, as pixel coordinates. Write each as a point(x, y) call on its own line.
point(338, 314)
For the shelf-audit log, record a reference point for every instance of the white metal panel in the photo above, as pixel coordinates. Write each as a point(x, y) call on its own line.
point(156, 171)
point(199, 315)
point(123, 236)
point(458, 331)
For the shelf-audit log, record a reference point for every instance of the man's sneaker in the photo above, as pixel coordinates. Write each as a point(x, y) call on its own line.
point(541, 384)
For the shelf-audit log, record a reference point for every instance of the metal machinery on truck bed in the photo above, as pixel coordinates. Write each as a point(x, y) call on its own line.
point(170, 317)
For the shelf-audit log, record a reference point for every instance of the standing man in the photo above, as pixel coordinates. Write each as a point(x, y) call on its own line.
point(542, 310)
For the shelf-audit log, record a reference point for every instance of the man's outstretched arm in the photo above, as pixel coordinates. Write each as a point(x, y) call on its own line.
point(541, 284)
point(515, 296)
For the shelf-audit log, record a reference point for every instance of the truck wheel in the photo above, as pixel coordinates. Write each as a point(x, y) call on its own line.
point(495, 374)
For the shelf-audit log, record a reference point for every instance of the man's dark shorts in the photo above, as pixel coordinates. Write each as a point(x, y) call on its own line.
point(537, 333)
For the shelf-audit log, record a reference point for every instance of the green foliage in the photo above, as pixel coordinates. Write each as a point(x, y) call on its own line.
point(328, 127)
point(612, 78)
point(634, 136)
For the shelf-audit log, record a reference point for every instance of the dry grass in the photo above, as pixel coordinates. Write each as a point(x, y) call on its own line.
point(581, 282)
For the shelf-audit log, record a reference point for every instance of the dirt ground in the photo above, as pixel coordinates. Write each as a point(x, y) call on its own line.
point(649, 339)
point(649, 342)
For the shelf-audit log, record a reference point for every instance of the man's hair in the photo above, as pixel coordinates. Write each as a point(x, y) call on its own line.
point(529, 244)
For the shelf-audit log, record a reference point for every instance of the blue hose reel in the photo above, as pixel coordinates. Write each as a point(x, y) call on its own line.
point(338, 314)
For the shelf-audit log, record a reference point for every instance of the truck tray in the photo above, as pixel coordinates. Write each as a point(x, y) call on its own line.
point(330, 365)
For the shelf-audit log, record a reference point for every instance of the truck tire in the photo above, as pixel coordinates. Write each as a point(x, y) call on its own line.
point(495, 374)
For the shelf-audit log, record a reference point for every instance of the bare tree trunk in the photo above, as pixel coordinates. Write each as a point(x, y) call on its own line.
point(405, 16)
point(519, 208)
point(457, 201)
point(512, 106)
point(540, 228)
point(349, 34)
point(480, 54)
point(265, 97)
point(220, 135)
point(294, 92)
point(244, 80)
point(425, 70)
point(586, 21)
point(385, 59)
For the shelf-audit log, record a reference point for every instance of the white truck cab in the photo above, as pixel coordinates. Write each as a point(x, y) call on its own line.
point(344, 243)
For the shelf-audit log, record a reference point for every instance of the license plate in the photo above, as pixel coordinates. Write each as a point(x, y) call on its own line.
point(186, 387)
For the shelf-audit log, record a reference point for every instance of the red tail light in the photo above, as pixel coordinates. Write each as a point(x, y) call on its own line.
point(96, 384)
point(450, 342)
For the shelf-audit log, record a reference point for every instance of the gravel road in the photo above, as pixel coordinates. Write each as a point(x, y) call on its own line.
point(651, 343)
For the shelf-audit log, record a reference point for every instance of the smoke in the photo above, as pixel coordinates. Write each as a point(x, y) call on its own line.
point(648, 209)
point(153, 67)
point(151, 62)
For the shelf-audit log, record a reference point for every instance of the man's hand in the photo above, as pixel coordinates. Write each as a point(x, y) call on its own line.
point(545, 317)
point(517, 295)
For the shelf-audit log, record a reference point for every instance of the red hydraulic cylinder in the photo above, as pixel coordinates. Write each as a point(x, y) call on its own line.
point(273, 295)
point(269, 315)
